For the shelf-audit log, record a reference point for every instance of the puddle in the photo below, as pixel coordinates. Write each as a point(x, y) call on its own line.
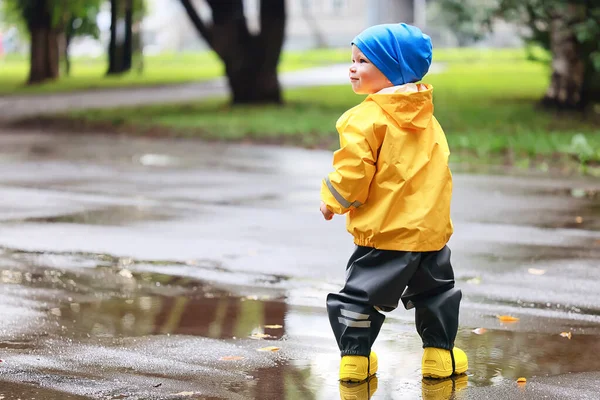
point(110, 216)
point(502, 354)
point(102, 297)
point(109, 298)
point(212, 314)
point(19, 391)
point(17, 344)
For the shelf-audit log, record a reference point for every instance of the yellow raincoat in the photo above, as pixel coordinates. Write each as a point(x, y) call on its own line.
point(391, 172)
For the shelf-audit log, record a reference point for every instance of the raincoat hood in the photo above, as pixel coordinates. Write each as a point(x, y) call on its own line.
point(411, 106)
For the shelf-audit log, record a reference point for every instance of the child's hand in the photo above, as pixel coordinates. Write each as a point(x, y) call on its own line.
point(327, 213)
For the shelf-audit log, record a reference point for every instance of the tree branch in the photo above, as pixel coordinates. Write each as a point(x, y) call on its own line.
point(203, 30)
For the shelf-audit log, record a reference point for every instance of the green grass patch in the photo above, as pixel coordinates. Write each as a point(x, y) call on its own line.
point(176, 68)
point(164, 69)
point(488, 109)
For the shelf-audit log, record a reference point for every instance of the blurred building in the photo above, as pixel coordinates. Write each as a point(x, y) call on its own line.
point(311, 23)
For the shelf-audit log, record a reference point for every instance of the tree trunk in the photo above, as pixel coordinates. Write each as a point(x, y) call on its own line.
point(250, 60)
point(112, 45)
point(44, 55)
point(68, 39)
point(568, 64)
point(44, 51)
point(120, 50)
point(262, 88)
point(591, 85)
point(128, 43)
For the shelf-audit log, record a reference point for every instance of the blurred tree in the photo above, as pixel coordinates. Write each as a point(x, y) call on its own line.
point(569, 29)
point(250, 59)
point(125, 14)
point(82, 23)
point(48, 23)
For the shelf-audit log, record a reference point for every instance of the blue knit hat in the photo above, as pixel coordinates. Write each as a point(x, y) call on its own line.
point(400, 51)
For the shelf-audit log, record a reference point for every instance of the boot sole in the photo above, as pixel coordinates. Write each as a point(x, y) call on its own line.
point(458, 370)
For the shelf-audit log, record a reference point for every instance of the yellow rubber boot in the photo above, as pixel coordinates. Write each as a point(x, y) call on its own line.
point(358, 391)
point(437, 363)
point(358, 368)
point(443, 389)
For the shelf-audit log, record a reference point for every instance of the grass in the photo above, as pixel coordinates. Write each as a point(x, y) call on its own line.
point(164, 69)
point(167, 69)
point(485, 100)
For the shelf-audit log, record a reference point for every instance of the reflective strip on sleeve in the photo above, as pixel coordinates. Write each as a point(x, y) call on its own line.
point(344, 203)
point(353, 315)
point(354, 324)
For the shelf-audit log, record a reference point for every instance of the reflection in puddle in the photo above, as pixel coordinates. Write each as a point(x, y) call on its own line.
point(214, 315)
point(499, 354)
point(363, 390)
point(443, 389)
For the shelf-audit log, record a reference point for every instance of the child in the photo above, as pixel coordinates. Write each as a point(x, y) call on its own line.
point(392, 179)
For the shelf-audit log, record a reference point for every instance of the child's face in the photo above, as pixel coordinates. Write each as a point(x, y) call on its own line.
point(365, 77)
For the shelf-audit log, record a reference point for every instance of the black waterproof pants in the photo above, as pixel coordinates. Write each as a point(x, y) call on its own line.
point(377, 279)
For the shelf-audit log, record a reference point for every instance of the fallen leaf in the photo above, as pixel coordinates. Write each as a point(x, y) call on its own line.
point(568, 335)
point(535, 271)
point(270, 348)
point(479, 331)
point(159, 385)
point(522, 380)
point(507, 318)
point(261, 336)
point(273, 326)
point(231, 358)
point(579, 220)
point(474, 281)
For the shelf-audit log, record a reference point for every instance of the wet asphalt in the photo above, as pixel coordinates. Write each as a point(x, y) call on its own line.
point(136, 268)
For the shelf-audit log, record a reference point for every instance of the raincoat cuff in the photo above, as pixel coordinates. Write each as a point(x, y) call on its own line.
point(329, 199)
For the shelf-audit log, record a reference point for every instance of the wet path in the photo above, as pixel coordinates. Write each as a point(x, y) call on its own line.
point(23, 106)
point(157, 269)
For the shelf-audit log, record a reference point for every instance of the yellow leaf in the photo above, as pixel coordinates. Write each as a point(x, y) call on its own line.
point(568, 335)
point(231, 358)
point(273, 326)
point(270, 348)
point(479, 331)
point(579, 220)
point(507, 318)
point(522, 380)
point(260, 336)
point(535, 271)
